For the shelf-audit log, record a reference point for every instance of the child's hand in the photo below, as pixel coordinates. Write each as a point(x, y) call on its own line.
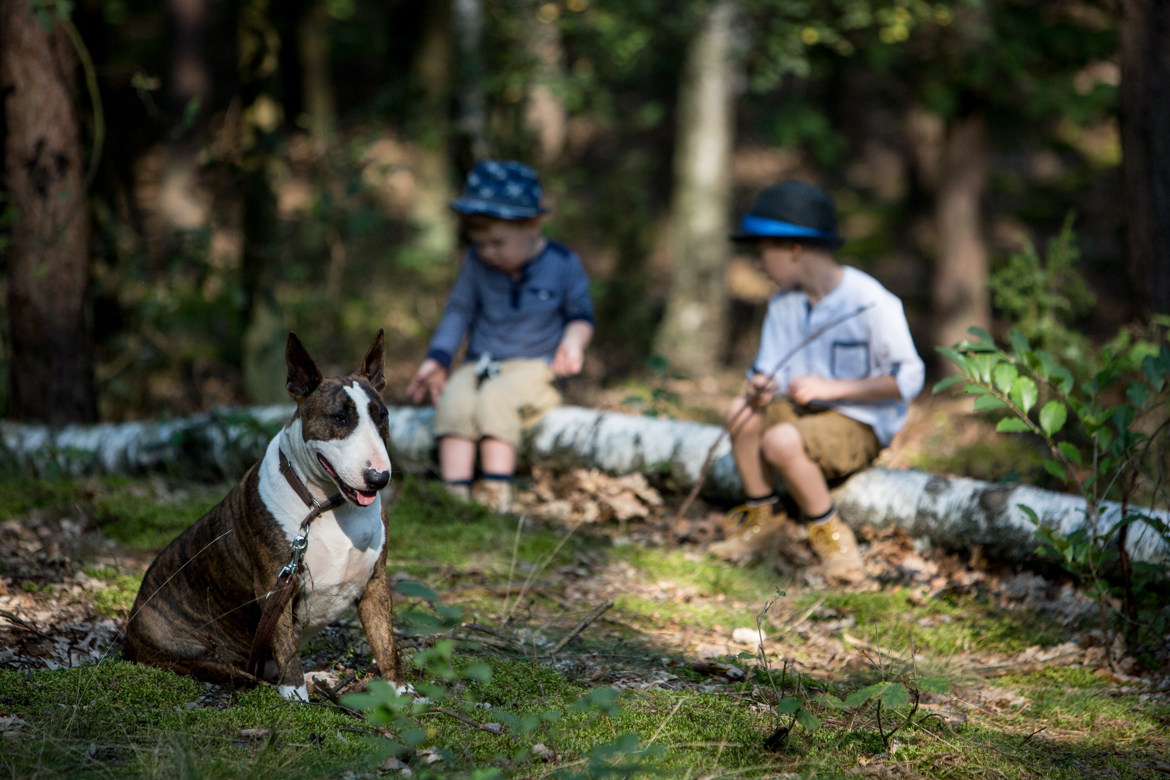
point(431, 377)
point(760, 391)
point(806, 389)
point(569, 359)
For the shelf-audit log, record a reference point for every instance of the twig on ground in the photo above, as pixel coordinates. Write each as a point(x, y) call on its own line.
point(20, 622)
point(323, 689)
point(593, 615)
point(662, 725)
point(469, 722)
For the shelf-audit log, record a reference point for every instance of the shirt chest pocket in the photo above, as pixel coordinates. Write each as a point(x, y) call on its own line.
point(850, 360)
point(543, 298)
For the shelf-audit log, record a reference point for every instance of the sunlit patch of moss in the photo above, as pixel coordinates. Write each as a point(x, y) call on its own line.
point(429, 528)
point(710, 576)
point(143, 522)
point(115, 600)
point(1001, 459)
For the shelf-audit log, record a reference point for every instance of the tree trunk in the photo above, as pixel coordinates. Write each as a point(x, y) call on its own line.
point(313, 46)
point(961, 296)
point(545, 113)
point(48, 257)
point(1144, 29)
point(954, 513)
point(434, 223)
point(472, 103)
point(264, 332)
point(692, 334)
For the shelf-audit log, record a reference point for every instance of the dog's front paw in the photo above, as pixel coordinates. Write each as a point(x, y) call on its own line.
point(294, 692)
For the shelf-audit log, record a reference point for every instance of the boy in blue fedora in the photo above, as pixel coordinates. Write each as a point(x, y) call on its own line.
point(830, 409)
point(523, 303)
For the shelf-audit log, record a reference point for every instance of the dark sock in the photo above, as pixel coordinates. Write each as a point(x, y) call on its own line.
point(466, 482)
point(826, 517)
point(497, 477)
point(771, 498)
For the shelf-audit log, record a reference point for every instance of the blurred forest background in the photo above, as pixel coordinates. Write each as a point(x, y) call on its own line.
point(187, 180)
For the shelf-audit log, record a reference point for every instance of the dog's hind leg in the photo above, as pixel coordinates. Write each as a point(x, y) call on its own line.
point(376, 611)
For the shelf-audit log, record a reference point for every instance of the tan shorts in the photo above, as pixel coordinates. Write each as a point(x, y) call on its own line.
point(501, 406)
point(838, 444)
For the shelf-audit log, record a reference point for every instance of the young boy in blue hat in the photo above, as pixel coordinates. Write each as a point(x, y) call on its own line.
point(524, 302)
point(832, 407)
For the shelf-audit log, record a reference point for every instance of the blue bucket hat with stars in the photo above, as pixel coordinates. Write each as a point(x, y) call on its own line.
point(503, 189)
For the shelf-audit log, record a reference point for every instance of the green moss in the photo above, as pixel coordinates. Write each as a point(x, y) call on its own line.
point(999, 459)
point(117, 599)
point(429, 528)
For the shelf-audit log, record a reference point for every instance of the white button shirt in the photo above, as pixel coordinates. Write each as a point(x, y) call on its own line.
point(874, 343)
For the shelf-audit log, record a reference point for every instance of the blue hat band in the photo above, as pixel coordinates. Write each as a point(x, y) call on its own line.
point(774, 228)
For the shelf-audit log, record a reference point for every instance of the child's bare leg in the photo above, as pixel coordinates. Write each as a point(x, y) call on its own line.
point(497, 457)
point(746, 428)
point(456, 459)
point(784, 448)
point(830, 539)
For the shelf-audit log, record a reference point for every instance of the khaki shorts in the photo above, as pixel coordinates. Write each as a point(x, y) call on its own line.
point(501, 406)
point(838, 444)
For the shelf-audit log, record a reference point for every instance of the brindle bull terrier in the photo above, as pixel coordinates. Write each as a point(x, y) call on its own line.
point(200, 602)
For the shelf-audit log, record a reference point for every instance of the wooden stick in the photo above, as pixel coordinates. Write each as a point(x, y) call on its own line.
point(733, 425)
point(595, 613)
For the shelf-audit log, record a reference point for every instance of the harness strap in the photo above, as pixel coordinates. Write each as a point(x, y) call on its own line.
point(289, 577)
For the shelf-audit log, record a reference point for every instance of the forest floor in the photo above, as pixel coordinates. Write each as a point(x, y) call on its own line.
point(1031, 685)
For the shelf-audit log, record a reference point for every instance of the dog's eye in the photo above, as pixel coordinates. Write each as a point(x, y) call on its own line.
point(340, 419)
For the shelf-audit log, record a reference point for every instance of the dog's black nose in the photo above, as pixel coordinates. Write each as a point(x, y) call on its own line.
point(376, 480)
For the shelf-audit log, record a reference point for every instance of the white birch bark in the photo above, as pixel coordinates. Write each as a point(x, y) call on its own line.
point(951, 512)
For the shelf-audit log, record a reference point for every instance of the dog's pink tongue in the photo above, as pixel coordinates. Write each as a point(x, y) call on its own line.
point(365, 499)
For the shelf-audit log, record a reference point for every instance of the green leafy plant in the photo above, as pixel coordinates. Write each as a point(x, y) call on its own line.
point(794, 708)
point(446, 687)
point(1042, 297)
point(896, 691)
point(1107, 440)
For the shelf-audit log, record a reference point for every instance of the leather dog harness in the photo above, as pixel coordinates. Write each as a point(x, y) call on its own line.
point(289, 577)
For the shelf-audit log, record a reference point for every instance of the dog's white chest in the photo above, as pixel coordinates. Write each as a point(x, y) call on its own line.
point(343, 550)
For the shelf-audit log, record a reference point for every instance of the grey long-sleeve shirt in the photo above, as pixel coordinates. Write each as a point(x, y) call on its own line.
point(510, 318)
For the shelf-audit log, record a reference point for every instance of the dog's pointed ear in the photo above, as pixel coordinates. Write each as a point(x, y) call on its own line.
point(303, 374)
point(374, 366)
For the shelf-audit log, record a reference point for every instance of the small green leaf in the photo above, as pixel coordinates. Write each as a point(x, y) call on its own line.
point(1053, 417)
point(788, 706)
point(1005, 376)
point(1012, 425)
point(479, 671)
point(860, 697)
point(746, 655)
point(981, 333)
point(1024, 394)
point(1055, 469)
point(1030, 512)
point(896, 696)
point(1070, 452)
point(950, 381)
point(833, 701)
point(808, 720)
point(1062, 378)
point(413, 736)
point(416, 589)
point(935, 684)
point(1019, 343)
point(973, 389)
point(986, 403)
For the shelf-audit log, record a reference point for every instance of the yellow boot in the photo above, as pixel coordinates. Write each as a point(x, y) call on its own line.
point(751, 532)
point(836, 546)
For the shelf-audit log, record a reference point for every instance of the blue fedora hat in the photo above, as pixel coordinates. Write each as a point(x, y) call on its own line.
point(503, 189)
point(795, 211)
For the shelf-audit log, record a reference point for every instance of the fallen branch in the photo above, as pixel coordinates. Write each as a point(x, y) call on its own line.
point(20, 622)
point(595, 613)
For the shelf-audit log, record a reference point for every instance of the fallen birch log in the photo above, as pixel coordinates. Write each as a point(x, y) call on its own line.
point(952, 512)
